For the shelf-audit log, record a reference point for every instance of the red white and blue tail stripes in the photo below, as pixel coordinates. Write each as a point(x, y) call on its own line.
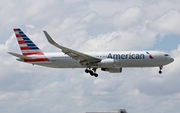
point(28, 48)
point(26, 45)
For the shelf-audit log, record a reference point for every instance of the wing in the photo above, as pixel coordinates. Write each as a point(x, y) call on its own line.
point(84, 59)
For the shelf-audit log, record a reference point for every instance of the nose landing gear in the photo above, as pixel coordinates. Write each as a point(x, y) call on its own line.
point(92, 72)
point(160, 69)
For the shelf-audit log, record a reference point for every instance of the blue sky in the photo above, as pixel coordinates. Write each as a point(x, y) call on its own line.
point(94, 25)
point(168, 43)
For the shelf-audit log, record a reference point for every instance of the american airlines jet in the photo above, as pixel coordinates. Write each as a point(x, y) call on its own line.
point(112, 61)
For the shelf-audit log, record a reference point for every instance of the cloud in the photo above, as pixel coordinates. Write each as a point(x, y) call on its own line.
point(121, 40)
point(168, 23)
point(30, 26)
point(129, 18)
point(91, 16)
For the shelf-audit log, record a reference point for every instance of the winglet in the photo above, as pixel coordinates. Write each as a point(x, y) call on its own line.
point(50, 40)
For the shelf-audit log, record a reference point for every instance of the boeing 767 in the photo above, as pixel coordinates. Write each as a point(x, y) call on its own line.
point(112, 61)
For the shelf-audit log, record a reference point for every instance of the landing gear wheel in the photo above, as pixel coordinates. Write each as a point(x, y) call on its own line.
point(92, 72)
point(86, 70)
point(160, 69)
point(160, 72)
point(95, 74)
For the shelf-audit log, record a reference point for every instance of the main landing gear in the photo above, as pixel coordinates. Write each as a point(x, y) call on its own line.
point(160, 69)
point(92, 72)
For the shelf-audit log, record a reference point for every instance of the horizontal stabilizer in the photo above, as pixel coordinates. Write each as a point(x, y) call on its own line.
point(20, 56)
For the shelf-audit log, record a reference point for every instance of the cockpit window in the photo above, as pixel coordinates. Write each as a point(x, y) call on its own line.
point(166, 55)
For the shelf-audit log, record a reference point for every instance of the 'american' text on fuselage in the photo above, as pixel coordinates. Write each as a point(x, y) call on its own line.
point(126, 56)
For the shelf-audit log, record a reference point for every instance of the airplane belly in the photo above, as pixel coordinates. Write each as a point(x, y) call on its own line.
point(138, 63)
point(66, 63)
point(61, 63)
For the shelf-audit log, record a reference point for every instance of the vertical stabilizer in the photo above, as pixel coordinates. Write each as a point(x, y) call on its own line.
point(27, 47)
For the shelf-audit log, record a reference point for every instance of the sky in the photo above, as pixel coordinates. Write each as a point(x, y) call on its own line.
point(90, 25)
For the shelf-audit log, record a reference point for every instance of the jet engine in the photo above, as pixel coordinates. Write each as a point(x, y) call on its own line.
point(107, 63)
point(113, 70)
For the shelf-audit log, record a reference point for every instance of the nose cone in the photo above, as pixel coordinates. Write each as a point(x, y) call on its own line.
point(170, 59)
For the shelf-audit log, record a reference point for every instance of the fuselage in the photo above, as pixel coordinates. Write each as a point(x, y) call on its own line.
point(121, 59)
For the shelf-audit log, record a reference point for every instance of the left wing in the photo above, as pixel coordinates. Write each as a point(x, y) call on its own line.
point(84, 58)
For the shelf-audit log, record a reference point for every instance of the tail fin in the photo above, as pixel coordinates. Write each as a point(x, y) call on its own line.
point(26, 45)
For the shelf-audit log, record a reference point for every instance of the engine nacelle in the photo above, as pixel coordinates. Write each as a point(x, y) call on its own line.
point(107, 63)
point(112, 70)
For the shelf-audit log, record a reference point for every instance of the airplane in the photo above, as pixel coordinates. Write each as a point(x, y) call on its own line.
point(112, 61)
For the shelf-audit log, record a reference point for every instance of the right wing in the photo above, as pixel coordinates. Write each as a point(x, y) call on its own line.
point(84, 58)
